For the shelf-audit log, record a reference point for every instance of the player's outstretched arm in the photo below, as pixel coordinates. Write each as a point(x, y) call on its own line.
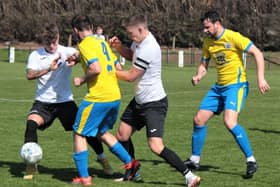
point(258, 55)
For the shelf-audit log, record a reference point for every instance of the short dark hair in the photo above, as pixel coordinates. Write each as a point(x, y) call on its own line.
point(212, 15)
point(49, 35)
point(81, 22)
point(137, 19)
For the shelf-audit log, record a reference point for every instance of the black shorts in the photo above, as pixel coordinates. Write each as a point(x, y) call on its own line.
point(152, 115)
point(65, 112)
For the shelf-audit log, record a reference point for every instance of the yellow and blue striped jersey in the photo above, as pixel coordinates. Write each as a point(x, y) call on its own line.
point(226, 51)
point(105, 87)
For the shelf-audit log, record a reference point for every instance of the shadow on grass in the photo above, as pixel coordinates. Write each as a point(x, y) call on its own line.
point(17, 170)
point(203, 168)
point(153, 162)
point(157, 162)
point(265, 130)
point(233, 173)
point(155, 183)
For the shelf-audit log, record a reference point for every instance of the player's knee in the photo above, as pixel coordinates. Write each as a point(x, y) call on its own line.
point(198, 121)
point(156, 146)
point(121, 136)
point(36, 118)
point(155, 149)
point(124, 132)
point(229, 123)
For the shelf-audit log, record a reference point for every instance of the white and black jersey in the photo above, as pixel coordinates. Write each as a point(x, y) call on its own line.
point(53, 87)
point(147, 57)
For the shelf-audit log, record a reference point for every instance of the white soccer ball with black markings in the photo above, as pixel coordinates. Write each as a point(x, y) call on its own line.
point(31, 153)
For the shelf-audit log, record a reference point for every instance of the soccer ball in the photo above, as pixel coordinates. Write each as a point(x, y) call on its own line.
point(31, 153)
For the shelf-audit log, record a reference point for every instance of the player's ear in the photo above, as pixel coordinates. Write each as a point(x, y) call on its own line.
point(75, 30)
point(140, 29)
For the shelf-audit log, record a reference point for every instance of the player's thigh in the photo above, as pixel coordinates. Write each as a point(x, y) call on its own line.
point(236, 96)
point(212, 101)
point(87, 119)
point(133, 118)
point(66, 113)
point(155, 114)
point(41, 113)
point(124, 131)
point(110, 115)
point(95, 117)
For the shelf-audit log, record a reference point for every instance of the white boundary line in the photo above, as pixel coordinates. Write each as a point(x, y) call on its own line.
point(3, 100)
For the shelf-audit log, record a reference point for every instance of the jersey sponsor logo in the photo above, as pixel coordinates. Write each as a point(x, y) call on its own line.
point(43, 57)
point(221, 59)
point(227, 45)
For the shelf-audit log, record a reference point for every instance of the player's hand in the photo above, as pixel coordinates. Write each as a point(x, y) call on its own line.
point(118, 67)
point(115, 42)
point(70, 63)
point(263, 86)
point(195, 80)
point(55, 62)
point(78, 81)
point(73, 59)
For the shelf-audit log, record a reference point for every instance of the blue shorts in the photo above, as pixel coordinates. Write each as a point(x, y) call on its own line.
point(96, 117)
point(220, 98)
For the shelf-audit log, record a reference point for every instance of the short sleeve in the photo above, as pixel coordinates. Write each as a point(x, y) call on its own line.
point(88, 55)
point(241, 42)
point(33, 60)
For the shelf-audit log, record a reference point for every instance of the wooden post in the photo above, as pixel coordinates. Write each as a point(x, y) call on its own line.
point(70, 40)
point(173, 43)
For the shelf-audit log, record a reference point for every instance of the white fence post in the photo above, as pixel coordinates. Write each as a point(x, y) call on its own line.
point(180, 59)
point(11, 54)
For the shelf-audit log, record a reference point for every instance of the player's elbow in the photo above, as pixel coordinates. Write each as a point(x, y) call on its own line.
point(94, 71)
point(131, 79)
point(30, 77)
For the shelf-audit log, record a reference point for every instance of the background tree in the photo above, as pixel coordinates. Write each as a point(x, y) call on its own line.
point(21, 20)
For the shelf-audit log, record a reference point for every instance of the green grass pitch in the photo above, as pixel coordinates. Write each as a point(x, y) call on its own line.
point(223, 164)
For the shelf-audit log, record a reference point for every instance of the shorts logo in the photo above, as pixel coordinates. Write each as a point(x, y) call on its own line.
point(153, 130)
point(232, 103)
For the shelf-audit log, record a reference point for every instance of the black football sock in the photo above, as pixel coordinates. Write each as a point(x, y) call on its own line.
point(128, 145)
point(95, 144)
point(172, 158)
point(31, 132)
